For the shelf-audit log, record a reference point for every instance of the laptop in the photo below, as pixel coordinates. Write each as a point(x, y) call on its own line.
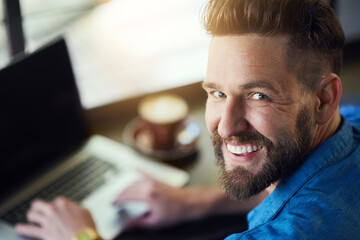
point(46, 149)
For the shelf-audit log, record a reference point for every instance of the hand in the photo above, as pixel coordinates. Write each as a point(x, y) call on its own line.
point(57, 220)
point(168, 205)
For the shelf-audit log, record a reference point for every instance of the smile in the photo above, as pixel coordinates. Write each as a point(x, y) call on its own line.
point(242, 149)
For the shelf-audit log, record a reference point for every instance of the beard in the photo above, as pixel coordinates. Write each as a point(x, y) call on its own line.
point(284, 157)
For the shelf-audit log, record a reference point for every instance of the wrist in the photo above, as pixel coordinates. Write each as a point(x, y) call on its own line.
point(87, 234)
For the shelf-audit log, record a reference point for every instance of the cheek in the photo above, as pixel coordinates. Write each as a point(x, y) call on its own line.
point(268, 123)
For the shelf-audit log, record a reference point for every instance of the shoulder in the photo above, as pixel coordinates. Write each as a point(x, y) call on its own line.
point(303, 225)
point(351, 113)
point(325, 207)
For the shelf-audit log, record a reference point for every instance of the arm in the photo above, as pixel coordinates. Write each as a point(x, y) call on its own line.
point(169, 205)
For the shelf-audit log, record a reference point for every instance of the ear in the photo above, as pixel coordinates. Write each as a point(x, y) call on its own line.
point(329, 97)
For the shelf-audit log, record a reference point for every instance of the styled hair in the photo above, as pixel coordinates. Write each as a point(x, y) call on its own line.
point(316, 39)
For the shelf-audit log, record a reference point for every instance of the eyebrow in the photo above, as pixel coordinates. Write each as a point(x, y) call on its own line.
point(259, 84)
point(209, 85)
point(246, 86)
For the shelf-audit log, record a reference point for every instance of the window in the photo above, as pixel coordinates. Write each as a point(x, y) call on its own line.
point(121, 48)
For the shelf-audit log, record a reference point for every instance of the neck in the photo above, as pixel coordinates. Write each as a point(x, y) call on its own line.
point(327, 130)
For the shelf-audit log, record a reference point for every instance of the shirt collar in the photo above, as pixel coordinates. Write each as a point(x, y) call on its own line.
point(329, 152)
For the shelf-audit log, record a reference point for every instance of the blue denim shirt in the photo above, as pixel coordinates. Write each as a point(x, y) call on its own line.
point(321, 200)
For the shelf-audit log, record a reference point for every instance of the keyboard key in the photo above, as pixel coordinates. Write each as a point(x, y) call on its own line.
point(75, 184)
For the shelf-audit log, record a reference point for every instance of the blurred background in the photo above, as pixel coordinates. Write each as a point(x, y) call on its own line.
point(119, 48)
point(123, 48)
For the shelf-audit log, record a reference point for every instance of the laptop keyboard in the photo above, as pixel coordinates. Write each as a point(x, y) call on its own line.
point(75, 184)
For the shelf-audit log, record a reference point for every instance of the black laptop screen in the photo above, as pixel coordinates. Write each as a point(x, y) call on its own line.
point(41, 117)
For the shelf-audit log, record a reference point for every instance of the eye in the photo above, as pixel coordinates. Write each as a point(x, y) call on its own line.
point(259, 96)
point(218, 94)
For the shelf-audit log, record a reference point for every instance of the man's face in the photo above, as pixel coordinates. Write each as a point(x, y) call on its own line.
point(260, 121)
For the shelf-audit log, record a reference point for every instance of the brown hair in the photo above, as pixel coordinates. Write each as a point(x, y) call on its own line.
point(316, 39)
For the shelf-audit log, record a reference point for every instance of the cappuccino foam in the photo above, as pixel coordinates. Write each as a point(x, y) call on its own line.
point(163, 108)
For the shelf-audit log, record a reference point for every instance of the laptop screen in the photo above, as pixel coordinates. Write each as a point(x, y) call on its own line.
point(41, 118)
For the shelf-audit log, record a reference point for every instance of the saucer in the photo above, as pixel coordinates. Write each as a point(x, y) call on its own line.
point(185, 143)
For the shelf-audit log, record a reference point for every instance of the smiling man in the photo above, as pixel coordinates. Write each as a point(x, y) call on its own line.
point(287, 156)
point(273, 112)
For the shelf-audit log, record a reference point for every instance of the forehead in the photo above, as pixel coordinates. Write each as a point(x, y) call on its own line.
point(246, 58)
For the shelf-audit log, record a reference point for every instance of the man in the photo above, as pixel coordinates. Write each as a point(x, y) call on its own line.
point(286, 154)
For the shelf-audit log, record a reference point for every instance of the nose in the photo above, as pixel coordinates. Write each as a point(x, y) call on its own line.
point(233, 120)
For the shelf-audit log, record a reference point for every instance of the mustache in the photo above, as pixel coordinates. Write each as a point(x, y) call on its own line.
point(242, 138)
point(218, 141)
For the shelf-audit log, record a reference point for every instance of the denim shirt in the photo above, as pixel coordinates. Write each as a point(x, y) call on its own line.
point(321, 200)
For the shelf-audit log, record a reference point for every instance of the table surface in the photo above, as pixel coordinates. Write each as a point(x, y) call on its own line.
point(110, 120)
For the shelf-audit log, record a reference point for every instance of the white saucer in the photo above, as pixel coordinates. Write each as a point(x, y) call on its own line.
point(185, 142)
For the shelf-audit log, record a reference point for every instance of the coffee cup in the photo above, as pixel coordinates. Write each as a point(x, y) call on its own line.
point(162, 116)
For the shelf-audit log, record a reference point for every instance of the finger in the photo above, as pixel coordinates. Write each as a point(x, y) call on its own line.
point(36, 217)
point(127, 195)
point(62, 199)
point(136, 191)
point(30, 231)
point(63, 202)
point(42, 207)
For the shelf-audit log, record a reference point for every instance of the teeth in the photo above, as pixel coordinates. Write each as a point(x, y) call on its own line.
point(249, 149)
point(243, 149)
point(235, 149)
